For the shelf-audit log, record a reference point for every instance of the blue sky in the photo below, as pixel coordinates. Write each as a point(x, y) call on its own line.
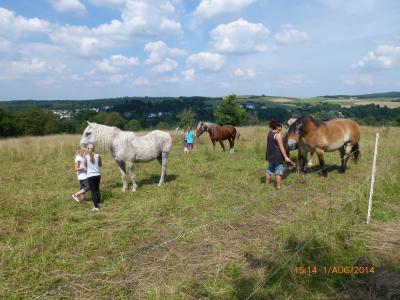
point(81, 49)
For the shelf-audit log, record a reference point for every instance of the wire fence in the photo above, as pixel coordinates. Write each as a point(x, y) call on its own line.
point(306, 243)
point(235, 212)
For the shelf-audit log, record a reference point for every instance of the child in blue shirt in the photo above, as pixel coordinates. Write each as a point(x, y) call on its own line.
point(189, 137)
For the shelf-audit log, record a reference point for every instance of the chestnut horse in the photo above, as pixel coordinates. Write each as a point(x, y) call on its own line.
point(219, 133)
point(316, 136)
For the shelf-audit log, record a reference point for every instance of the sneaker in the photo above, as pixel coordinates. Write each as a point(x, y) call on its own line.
point(95, 209)
point(75, 198)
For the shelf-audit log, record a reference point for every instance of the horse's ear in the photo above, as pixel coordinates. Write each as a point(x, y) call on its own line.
point(88, 123)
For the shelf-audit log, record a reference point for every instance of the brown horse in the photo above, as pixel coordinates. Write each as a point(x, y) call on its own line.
point(219, 133)
point(316, 136)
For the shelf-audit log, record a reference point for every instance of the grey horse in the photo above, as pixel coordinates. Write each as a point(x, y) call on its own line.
point(127, 148)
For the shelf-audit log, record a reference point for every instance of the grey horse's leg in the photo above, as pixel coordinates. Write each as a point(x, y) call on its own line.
point(131, 170)
point(122, 170)
point(162, 159)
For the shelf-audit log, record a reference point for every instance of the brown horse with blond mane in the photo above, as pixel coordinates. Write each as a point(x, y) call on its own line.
point(320, 137)
point(219, 133)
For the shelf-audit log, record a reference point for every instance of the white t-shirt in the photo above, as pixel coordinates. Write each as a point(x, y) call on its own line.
point(81, 174)
point(93, 168)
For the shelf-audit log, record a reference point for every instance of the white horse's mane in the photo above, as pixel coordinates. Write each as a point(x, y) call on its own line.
point(208, 124)
point(104, 135)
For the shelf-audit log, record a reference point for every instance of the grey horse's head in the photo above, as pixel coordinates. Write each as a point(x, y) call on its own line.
point(88, 135)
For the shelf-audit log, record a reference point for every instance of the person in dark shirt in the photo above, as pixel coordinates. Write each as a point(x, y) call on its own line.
point(276, 154)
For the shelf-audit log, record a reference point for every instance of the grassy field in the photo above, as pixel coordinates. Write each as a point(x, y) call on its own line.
point(253, 237)
point(389, 102)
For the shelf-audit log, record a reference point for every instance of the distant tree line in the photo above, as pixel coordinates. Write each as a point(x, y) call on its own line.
point(136, 114)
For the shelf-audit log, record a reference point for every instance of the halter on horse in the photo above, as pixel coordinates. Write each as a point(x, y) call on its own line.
point(320, 137)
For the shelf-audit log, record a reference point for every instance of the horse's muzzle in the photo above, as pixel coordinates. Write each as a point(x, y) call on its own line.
point(291, 145)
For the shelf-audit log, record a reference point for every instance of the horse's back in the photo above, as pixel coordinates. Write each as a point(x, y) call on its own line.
point(163, 138)
point(228, 131)
point(349, 128)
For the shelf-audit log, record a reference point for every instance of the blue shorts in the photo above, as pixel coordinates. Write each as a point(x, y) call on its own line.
point(274, 168)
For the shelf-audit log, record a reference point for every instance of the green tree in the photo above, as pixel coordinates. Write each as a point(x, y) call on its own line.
point(230, 112)
point(34, 121)
point(8, 124)
point(84, 115)
point(110, 119)
point(134, 125)
point(186, 118)
point(163, 125)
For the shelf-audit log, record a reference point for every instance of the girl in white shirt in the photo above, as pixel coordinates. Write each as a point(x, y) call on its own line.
point(93, 161)
point(80, 168)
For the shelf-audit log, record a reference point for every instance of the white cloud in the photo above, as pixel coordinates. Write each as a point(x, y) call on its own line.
point(33, 66)
point(365, 80)
point(383, 57)
point(245, 74)
point(122, 61)
point(240, 36)
point(117, 78)
point(4, 44)
point(290, 35)
point(168, 65)
point(158, 51)
point(211, 8)
point(140, 19)
point(14, 26)
point(172, 79)
point(351, 7)
point(114, 65)
point(189, 74)
point(141, 81)
point(109, 3)
point(293, 81)
point(206, 61)
point(68, 5)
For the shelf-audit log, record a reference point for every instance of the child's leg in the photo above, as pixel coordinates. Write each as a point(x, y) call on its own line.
point(278, 182)
point(268, 174)
point(267, 179)
point(279, 174)
point(81, 192)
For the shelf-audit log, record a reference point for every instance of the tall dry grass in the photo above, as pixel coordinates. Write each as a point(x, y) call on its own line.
point(47, 240)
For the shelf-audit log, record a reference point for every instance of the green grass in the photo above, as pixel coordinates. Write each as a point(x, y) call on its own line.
point(47, 240)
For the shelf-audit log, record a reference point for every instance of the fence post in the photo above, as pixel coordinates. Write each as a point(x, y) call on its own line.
point(371, 191)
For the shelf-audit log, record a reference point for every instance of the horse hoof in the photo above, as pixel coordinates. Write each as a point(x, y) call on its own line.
point(160, 184)
point(325, 175)
point(133, 190)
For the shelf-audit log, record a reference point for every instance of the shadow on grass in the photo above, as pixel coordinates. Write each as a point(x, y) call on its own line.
point(154, 179)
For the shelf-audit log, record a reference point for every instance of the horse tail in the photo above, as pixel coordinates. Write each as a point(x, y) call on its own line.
point(237, 134)
point(356, 152)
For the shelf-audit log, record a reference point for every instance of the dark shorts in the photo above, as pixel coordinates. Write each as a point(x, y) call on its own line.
point(84, 184)
point(189, 145)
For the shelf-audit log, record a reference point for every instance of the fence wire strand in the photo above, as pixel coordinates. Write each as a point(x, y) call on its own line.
point(236, 212)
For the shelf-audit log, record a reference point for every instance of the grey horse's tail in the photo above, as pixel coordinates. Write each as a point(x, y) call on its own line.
point(237, 134)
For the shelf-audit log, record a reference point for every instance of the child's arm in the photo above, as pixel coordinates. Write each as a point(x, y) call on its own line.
point(100, 161)
point(283, 150)
point(78, 167)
